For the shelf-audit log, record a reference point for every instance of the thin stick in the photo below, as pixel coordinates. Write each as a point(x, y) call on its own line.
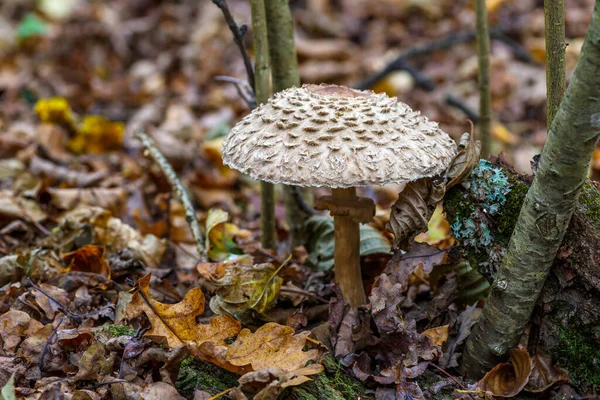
point(554, 19)
point(180, 190)
point(485, 94)
point(238, 37)
point(262, 90)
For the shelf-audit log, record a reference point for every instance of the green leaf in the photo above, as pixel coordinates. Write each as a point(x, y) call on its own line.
point(8, 391)
point(320, 246)
point(30, 26)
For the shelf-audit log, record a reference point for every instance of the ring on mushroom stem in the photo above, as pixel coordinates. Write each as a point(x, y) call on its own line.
point(341, 138)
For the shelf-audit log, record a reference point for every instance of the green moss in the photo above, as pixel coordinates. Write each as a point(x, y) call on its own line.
point(578, 352)
point(198, 374)
point(118, 330)
point(333, 384)
point(590, 199)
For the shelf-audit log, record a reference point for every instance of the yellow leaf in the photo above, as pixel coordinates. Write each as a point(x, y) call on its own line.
point(54, 110)
point(438, 231)
point(437, 335)
point(96, 134)
point(501, 133)
point(177, 322)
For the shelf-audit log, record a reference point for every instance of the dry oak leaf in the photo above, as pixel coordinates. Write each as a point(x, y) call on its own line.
point(507, 380)
point(272, 345)
point(544, 374)
point(177, 322)
point(420, 255)
point(14, 325)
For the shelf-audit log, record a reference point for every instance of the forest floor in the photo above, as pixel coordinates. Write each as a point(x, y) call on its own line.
point(85, 217)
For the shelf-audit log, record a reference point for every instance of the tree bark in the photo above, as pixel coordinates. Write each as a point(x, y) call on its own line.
point(483, 79)
point(554, 18)
point(262, 91)
point(284, 69)
point(545, 214)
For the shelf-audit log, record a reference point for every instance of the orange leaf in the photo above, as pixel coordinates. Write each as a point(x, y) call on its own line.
point(507, 380)
point(177, 322)
point(89, 258)
point(437, 335)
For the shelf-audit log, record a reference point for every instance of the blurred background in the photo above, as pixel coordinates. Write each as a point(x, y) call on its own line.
point(116, 63)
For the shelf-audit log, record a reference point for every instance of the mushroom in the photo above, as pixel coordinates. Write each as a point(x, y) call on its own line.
point(337, 137)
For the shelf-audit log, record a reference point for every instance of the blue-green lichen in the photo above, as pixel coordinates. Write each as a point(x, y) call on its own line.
point(488, 186)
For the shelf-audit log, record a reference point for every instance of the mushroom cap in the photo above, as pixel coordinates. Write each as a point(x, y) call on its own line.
point(333, 136)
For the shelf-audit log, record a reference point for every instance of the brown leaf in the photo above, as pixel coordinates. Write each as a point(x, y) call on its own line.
point(89, 258)
point(544, 374)
point(507, 380)
point(50, 306)
point(14, 325)
point(94, 363)
point(354, 333)
point(268, 383)
point(385, 299)
point(410, 212)
point(437, 335)
point(272, 345)
point(464, 161)
point(420, 255)
point(177, 322)
point(160, 391)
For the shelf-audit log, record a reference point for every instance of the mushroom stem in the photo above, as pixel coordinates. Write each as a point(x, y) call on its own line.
point(347, 251)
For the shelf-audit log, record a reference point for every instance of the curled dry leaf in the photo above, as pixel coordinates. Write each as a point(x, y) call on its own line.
point(271, 381)
point(420, 255)
point(464, 161)
point(385, 299)
point(177, 322)
point(410, 212)
point(544, 374)
point(507, 380)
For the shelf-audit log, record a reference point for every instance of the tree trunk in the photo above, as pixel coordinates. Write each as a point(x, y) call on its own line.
point(545, 214)
point(262, 91)
point(483, 78)
point(284, 66)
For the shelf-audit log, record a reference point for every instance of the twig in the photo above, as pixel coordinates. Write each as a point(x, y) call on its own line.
point(454, 101)
point(483, 77)
point(554, 13)
point(304, 293)
point(301, 203)
point(48, 342)
point(399, 63)
point(238, 37)
point(460, 385)
point(244, 91)
point(180, 190)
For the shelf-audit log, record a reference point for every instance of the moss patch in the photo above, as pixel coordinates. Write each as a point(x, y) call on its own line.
point(579, 353)
point(590, 201)
point(197, 374)
point(509, 213)
point(333, 384)
point(118, 330)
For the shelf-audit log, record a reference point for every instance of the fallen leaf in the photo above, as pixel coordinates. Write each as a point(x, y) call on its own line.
point(385, 299)
point(410, 212)
point(544, 375)
point(507, 380)
point(245, 287)
point(14, 325)
point(272, 345)
point(15, 207)
point(96, 134)
point(437, 335)
point(8, 390)
point(160, 391)
point(438, 232)
point(94, 364)
point(420, 255)
point(50, 306)
point(89, 258)
point(177, 322)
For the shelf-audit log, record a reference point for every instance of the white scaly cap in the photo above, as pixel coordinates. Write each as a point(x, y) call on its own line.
point(336, 137)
